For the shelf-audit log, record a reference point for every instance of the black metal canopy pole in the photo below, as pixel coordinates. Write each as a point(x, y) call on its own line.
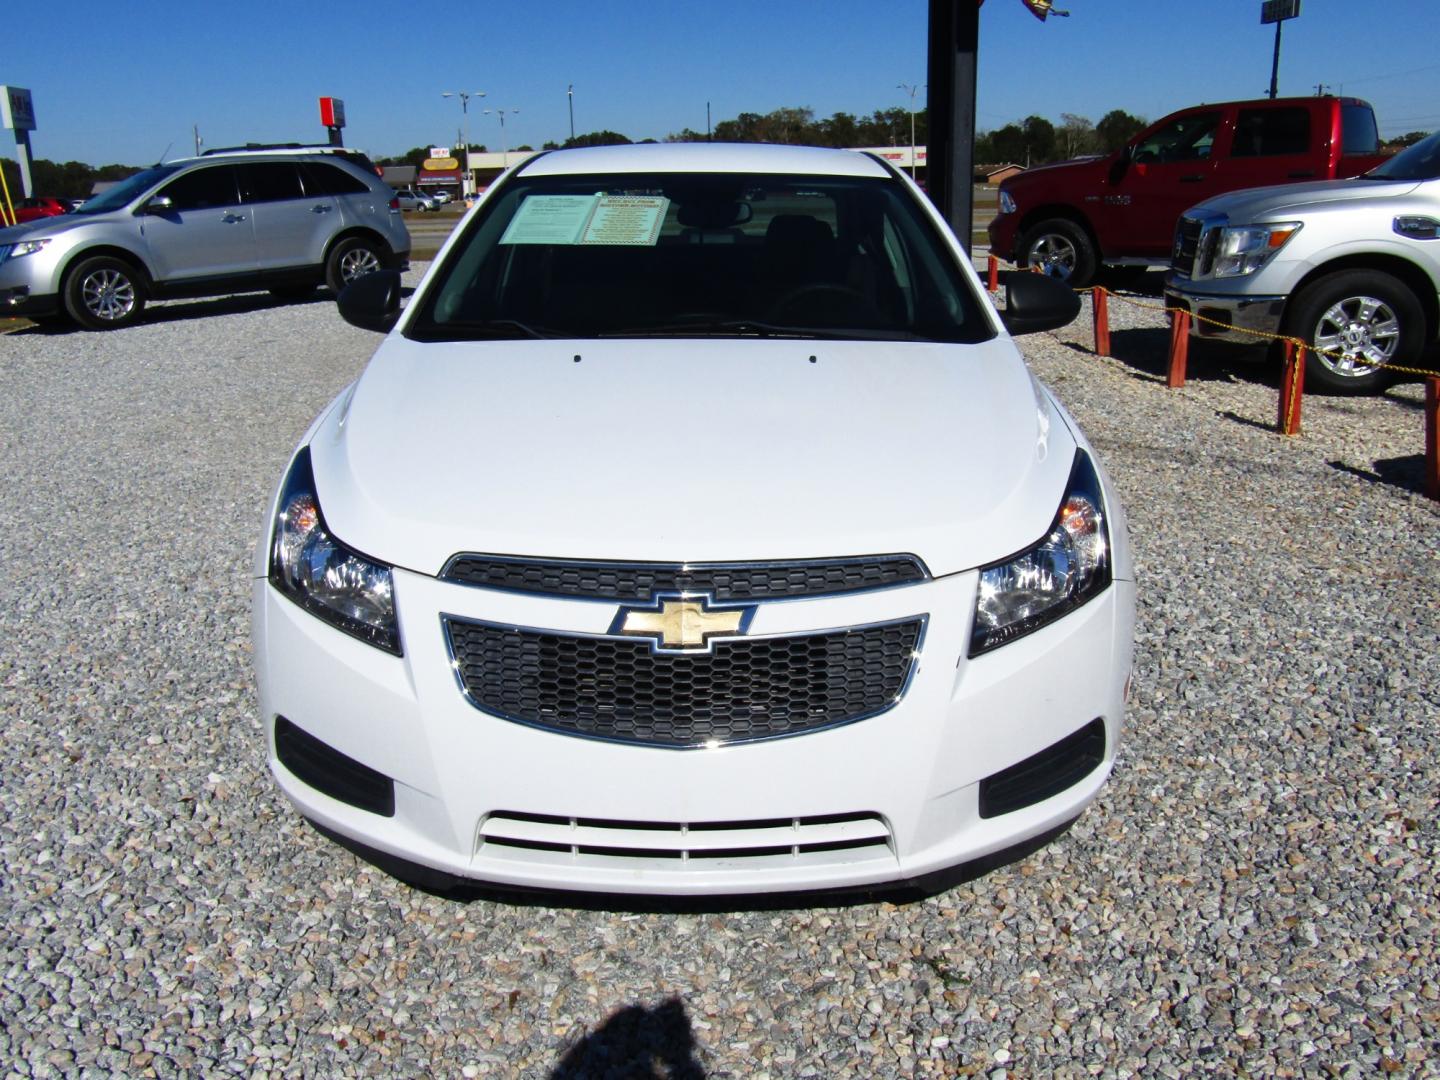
point(954, 41)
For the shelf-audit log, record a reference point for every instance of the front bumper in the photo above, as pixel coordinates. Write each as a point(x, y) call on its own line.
point(1245, 319)
point(19, 301)
point(891, 798)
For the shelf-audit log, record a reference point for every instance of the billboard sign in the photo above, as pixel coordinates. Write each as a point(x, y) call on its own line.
point(332, 112)
point(17, 110)
point(1278, 10)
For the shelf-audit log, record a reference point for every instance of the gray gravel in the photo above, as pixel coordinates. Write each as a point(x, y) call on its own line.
point(1255, 892)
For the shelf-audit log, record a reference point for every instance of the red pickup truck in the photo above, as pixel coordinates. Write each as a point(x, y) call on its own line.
point(1068, 219)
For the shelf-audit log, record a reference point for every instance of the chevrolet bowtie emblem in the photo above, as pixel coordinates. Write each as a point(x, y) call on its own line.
point(682, 624)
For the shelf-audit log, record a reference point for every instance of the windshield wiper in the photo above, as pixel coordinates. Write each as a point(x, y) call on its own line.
point(492, 328)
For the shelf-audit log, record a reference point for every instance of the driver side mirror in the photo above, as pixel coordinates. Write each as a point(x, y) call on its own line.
point(372, 302)
point(1034, 302)
point(1121, 165)
point(160, 204)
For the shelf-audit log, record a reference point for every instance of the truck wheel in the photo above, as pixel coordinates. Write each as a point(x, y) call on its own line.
point(104, 293)
point(351, 258)
point(1061, 249)
point(1354, 322)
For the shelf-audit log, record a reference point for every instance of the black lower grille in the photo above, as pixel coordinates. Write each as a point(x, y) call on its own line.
point(745, 689)
point(328, 770)
point(642, 581)
point(1047, 773)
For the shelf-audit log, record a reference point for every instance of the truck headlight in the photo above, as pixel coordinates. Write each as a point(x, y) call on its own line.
point(1242, 249)
point(1007, 202)
point(1070, 566)
point(322, 575)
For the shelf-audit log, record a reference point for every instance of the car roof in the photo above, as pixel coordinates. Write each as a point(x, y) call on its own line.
point(704, 157)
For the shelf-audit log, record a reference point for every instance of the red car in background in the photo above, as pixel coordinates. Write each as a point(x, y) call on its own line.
point(41, 206)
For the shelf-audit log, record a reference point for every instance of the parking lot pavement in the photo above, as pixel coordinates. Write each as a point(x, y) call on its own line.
point(1255, 891)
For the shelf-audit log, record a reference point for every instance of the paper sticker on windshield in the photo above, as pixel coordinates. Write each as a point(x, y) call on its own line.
point(598, 220)
point(550, 219)
point(630, 220)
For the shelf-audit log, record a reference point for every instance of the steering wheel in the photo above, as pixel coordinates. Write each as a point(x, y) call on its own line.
point(816, 289)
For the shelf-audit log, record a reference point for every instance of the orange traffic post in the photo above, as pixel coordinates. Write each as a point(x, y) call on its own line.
point(1292, 388)
point(1432, 437)
point(992, 266)
point(1100, 310)
point(1179, 346)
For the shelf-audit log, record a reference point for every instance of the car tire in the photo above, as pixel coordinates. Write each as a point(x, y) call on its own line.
point(1352, 316)
point(1060, 249)
point(104, 293)
point(351, 258)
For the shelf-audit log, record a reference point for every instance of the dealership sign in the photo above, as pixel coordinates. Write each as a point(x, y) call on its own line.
point(17, 111)
point(332, 112)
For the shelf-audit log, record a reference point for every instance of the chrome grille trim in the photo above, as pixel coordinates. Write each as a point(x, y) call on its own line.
point(845, 835)
point(641, 582)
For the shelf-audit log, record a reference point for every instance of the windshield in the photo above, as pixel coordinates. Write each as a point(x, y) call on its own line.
point(1418, 162)
point(701, 254)
point(123, 193)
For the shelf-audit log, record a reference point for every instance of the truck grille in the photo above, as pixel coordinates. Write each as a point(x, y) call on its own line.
point(641, 581)
point(1187, 242)
point(744, 689)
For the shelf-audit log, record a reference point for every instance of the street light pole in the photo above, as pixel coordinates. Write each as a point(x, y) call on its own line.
point(911, 90)
point(467, 187)
point(504, 142)
point(570, 93)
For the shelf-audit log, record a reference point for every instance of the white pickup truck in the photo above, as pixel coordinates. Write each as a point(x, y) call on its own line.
point(1350, 267)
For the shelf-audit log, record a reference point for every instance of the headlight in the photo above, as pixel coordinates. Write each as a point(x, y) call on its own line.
point(1068, 567)
point(1007, 202)
point(22, 247)
point(322, 575)
point(1243, 249)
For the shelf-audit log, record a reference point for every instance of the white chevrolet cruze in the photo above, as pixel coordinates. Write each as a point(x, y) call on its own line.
point(697, 528)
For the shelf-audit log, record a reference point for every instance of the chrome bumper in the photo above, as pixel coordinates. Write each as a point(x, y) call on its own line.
point(1248, 320)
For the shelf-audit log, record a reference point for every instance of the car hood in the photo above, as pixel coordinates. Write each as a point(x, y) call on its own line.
point(48, 226)
point(678, 450)
point(1252, 204)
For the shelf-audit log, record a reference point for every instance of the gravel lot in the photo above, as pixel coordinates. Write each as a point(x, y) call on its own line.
point(1255, 892)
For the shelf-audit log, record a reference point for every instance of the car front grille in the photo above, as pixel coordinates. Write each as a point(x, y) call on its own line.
point(642, 581)
point(744, 689)
point(1187, 240)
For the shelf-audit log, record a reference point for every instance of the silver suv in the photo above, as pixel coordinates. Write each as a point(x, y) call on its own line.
point(237, 222)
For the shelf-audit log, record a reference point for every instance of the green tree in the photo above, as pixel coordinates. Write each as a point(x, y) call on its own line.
point(1039, 140)
point(1115, 129)
point(597, 138)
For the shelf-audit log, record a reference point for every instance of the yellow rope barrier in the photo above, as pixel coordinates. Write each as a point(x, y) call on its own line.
point(1299, 343)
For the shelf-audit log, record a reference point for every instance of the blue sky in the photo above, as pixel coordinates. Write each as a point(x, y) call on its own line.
point(125, 83)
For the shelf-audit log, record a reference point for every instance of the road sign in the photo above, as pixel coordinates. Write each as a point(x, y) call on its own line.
point(1278, 10)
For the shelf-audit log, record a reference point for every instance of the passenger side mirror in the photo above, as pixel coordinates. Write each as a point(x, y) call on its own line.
point(372, 302)
point(1034, 302)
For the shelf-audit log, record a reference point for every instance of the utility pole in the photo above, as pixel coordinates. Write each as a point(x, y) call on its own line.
point(198, 140)
point(570, 93)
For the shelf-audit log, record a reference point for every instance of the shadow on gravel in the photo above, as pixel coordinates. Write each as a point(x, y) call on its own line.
point(636, 1043)
point(1147, 353)
point(463, 891)
point(175, 311)
point(1406, 473)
